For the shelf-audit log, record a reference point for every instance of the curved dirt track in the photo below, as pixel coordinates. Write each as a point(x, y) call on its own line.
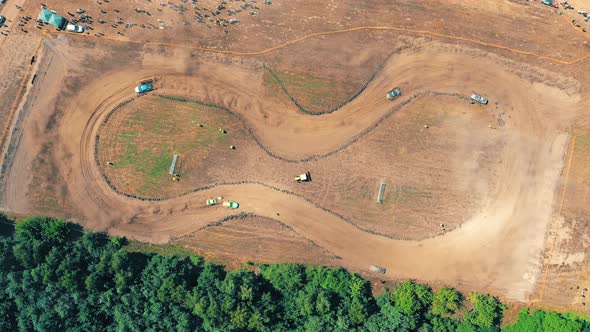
point(499, 248)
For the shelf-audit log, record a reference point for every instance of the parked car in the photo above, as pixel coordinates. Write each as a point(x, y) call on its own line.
point(214, 200)
point(74, 28)
point(479, 98)
point(2, 20)
point(394, 93)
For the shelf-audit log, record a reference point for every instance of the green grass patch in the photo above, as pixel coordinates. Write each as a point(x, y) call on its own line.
point(159, 249)
point(395, 195)
point(315, 94)
point(156, 130)
point(583, 143)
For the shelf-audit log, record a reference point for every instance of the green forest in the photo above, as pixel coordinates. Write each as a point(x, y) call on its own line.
point(56, 277)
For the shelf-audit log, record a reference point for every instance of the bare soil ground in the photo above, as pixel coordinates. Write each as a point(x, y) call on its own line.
point(566, 278)
point(257, 239)
point(491, 174)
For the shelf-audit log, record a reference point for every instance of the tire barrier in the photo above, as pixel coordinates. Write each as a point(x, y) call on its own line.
point(317, 157)
point(245, 215)
point(273, 155)
point(239, 216)
point(104, 122)
point(351, 98)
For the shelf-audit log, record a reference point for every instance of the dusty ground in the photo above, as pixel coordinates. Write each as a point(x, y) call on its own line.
point(257, 239)
point(497, 190)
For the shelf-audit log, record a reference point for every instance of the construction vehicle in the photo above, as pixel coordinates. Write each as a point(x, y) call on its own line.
point(214, 200)
point(378, 269)
point(305, 177)
point(396, 92)
point(231, 204)
point(479, 98)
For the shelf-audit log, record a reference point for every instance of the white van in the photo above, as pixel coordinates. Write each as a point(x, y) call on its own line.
point(74, 28)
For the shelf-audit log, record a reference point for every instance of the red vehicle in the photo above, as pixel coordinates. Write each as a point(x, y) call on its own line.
point(552, 3)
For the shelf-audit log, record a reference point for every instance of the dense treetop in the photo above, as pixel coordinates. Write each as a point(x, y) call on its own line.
point(55, 277)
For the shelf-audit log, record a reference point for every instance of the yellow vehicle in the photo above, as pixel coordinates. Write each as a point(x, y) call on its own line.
point(305, 177)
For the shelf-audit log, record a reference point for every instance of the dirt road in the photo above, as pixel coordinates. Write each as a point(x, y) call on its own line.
point(499, 248)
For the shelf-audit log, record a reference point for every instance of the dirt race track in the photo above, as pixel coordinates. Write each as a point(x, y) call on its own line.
point(493, 175)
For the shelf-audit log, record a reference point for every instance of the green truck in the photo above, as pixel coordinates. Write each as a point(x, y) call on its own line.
point(231, 204)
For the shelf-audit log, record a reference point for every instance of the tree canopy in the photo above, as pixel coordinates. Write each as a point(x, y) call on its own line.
point(54, 277)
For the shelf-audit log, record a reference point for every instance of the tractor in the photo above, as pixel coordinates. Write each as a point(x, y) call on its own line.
point(305, 177)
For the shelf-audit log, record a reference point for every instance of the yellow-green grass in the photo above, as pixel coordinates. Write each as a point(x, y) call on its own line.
point(142, 146)
point(315, 94)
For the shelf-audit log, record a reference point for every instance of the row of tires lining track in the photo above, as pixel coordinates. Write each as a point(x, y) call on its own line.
point(251, 132)
point(351, 98)
point(246, 215)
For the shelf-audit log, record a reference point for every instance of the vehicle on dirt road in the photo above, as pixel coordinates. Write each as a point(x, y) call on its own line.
point(231, 204)
point(394, 93)
point(144, 88)
point(479, 98)
point(2, 20)
point(214, 200)
point(75, 28)
point(305, 177)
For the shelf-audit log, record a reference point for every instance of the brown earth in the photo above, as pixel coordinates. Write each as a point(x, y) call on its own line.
point(496, 189)
point(257, 239)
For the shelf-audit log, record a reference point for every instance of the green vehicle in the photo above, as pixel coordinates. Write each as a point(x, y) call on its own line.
point(231, 204)
point(2, 20)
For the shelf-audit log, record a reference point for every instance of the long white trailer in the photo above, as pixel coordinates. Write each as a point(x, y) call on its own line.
point(173, 165)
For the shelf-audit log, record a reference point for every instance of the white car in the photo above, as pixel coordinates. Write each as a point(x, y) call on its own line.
point(479, 98)
point(75, 28)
